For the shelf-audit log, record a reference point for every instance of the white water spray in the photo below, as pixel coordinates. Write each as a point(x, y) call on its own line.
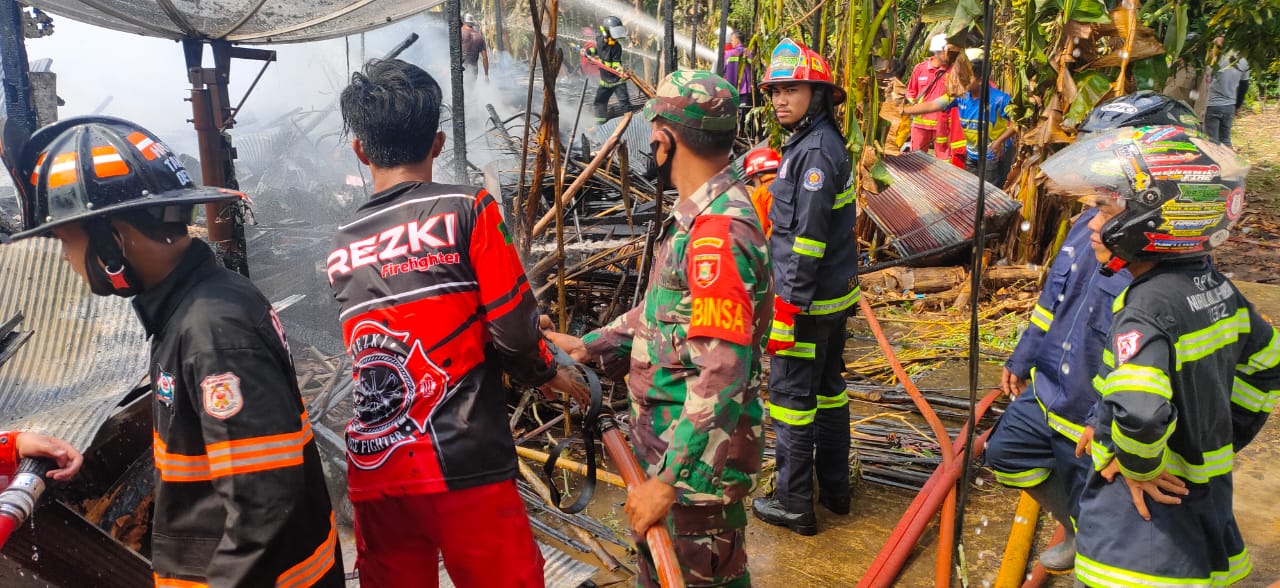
point(633, 18)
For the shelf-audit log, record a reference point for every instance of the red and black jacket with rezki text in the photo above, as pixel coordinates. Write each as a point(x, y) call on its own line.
point(435, 305)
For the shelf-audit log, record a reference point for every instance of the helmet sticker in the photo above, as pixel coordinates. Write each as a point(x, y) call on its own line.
point(1235, 203)
point(1162, 243)
point(1200, 192)
point(813, 179)
point(1119, 107)
point(1187, 173)
point(1219, 238)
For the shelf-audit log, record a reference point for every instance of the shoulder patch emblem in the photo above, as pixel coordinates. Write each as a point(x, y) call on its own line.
point(1127, 346)
point(279, 326)
point(706, 268)
point(164, 388)
point(221, 395)
point(813, 179)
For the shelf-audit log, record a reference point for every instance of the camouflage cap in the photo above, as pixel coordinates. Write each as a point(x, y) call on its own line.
point(696, 99)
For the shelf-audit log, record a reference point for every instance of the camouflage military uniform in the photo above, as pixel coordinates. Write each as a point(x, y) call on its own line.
point(694, 346)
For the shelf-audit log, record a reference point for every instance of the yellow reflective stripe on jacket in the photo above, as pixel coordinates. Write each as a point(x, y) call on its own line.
point(844, 199)
point(1058, 423)
point(809, 247)
point(957, 145)
point(1265, 359)
point(1203, 343)
point(1101, 455)
point(1246, 396)
point(782, 332)
point(795, 418)
point(1118, 303)
point(1216, 463)
point(1028, 479)
point(1137, 378)
point(1041, 317)
point(837, 401)
point(834, 305)
point(1133, 446)
point(1100, 574)
point(919, 119)
point(1108, 358)
point(802, 350)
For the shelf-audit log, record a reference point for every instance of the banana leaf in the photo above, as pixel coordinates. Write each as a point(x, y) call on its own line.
point(1091, 87)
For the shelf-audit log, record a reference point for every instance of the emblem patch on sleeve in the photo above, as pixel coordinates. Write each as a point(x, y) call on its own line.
point(721, 307)
point(164, 388)
point(1127, 346)
point(221, 395)
point(813, 179)
point(706, 268)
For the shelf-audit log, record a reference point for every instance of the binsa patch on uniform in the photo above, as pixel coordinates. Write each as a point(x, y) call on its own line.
point(221, 395)
point(1127, 346)
point(813, 179)
point(165, 385)
point(721, 307)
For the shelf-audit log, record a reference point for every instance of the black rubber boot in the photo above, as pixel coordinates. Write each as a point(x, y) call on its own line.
point(772, 511)
point(836, 504)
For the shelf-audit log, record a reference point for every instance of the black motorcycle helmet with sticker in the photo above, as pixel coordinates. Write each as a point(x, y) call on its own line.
point(87, 170)
point(1180, 191)
point(1140, 109)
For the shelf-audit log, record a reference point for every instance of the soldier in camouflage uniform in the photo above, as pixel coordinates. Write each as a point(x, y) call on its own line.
point(694, 344)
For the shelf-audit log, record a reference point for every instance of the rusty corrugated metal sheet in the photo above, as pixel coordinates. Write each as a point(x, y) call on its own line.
point(931, 204)
point(560, 570)
point(87, 352)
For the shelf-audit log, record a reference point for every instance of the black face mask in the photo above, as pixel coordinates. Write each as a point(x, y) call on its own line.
point(662, 170)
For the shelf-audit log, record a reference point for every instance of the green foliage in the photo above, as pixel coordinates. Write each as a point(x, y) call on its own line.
point(1091, 86)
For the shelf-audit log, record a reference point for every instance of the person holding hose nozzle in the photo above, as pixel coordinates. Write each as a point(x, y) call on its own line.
point(240, 494)
point(693, 345)
point(16, 446)
point(608, 51)
point(815, 259)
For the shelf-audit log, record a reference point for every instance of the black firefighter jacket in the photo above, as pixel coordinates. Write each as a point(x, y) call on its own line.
point(240, 496)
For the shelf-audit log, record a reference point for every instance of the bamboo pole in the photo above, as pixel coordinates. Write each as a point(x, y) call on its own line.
point(567, 465)
point(601, 156)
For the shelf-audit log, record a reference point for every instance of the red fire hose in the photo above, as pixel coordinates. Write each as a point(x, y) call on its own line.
point(20, 498)
point(939, 488)
point(658, 538)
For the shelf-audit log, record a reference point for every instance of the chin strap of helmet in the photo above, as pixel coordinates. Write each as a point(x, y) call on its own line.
point(106, 268)
point(1111, 267)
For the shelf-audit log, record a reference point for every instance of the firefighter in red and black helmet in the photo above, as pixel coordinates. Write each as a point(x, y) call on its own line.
point(240, 495)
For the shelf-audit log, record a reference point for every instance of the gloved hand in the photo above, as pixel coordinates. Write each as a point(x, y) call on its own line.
point(783, 334)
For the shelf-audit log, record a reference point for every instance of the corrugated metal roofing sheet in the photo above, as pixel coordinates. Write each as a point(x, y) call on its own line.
point(241, 21)
point(560, 570)
point(87, 352)
point(931, 204)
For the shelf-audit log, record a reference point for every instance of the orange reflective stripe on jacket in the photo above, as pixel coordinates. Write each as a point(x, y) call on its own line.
point(176, 583)
point(227, 458)
point(310, 570)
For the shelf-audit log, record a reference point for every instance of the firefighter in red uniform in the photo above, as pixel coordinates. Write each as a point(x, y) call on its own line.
point(434, 307)
point(240, 493)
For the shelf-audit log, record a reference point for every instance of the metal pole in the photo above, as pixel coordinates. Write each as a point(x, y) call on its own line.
point(975, 273)
point(669, 35)
point(453, 13)
point(211, 114)
point(724, 38)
